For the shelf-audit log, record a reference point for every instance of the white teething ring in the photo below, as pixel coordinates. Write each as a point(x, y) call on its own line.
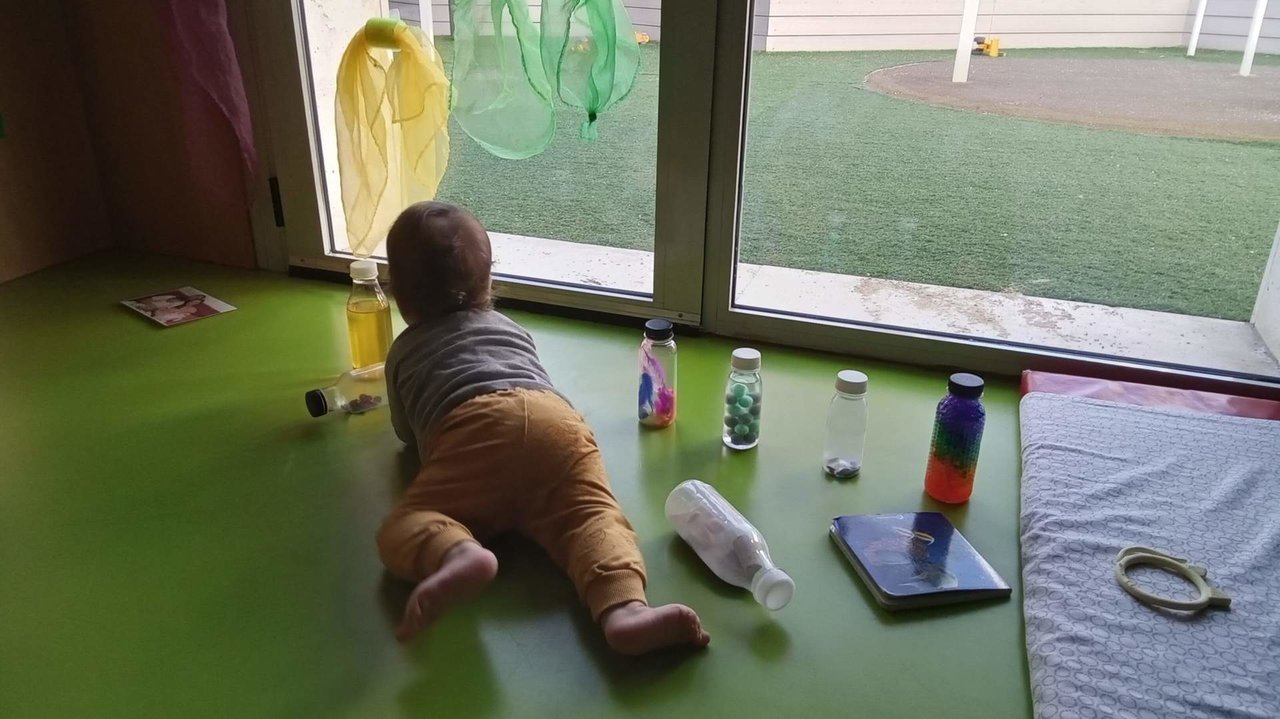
point(1209, 596)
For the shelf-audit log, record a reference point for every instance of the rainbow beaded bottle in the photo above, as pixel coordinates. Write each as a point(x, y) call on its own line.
point(957, 435)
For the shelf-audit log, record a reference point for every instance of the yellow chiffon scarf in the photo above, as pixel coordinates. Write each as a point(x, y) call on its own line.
point(392, 127)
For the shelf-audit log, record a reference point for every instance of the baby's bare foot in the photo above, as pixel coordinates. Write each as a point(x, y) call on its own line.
point(636, 628)
point(467, 568)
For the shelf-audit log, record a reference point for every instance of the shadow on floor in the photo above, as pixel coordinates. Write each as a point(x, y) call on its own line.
point(529, 587)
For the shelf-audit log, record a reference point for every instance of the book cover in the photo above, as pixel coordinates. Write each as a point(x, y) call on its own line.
point(178, 306)
point(915, 559)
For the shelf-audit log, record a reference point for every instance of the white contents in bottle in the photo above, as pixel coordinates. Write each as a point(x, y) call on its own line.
point(728, 544)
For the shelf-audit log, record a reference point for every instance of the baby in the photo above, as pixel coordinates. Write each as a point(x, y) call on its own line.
point(501, 449)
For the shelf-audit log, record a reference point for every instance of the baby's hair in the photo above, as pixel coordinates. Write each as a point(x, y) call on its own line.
point(439, 260)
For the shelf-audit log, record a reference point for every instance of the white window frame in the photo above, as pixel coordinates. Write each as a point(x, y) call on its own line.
point(911, 346)
point(701, 131)
point(285, 98)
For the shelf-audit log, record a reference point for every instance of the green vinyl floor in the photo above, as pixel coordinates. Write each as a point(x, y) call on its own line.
point(179, 539)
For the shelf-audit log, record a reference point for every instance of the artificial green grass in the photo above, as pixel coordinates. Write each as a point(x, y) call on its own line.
point(841, 179)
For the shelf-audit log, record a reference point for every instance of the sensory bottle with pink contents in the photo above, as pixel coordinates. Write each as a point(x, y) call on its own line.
point(957, 435)
point(657, 401)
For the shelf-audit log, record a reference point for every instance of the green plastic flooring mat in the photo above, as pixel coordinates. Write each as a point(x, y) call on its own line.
point(179, 538)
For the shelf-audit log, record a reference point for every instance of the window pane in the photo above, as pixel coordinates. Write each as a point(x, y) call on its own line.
point(1116, 200)
point(579, 213)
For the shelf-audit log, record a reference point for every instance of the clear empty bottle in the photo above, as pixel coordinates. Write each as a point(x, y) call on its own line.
point(355, 392)
point(657, 403)
point(728, 544)
point(846, 426)
point(742, 400)
point(368, 316)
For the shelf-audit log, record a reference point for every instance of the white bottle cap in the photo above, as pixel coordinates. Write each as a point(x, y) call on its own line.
point(745, 358)
point(773, 588)
point(851, 381)
point(364, 270)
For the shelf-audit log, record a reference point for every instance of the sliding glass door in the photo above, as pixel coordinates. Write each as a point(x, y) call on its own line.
point(1059, 206)
point(1066, 192)
point(612, 223)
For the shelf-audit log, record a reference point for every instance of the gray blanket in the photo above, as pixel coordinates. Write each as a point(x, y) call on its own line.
point(1099, 476)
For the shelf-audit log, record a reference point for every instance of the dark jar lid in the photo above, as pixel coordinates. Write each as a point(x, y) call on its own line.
point(659, 330)
point(317, 405)
point(963, 384)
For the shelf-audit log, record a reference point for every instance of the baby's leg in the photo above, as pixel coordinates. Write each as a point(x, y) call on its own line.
point(582, 527)
point(462, 488)
point(637, 628)
point(465, 569)
point(441, 555)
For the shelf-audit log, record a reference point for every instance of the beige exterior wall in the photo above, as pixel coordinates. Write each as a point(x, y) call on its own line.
point(933, 24)
point(1226, 23)
point(644, 14)
point(806, 25)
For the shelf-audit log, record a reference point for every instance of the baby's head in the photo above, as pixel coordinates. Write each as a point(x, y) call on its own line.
point(439, 259)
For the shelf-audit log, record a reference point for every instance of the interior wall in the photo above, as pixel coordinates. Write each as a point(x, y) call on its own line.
point(51, 203)
point(158, 199)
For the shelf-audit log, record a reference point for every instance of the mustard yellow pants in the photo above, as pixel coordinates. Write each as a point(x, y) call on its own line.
point(524, 461)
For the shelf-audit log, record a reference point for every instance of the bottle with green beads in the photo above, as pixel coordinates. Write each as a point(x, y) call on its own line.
point(742, 396)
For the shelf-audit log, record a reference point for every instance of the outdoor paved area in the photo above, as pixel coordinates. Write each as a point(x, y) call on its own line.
point(1188, 99)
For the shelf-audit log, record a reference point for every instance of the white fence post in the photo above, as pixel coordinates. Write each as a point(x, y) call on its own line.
point(1251, 44)
point(1195, 28)
point(964, 43)
point(426, 15)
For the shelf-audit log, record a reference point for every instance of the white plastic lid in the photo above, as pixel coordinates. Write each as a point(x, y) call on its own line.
point(851, 381)
point(773, 588)
point(745, 358)
point(364, 270)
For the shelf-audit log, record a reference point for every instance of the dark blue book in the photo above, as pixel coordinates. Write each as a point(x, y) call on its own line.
point(916, 559)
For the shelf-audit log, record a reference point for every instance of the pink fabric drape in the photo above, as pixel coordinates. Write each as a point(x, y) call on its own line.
point(204, 62)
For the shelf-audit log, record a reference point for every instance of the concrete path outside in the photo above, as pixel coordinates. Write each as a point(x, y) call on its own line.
point(1166, 97)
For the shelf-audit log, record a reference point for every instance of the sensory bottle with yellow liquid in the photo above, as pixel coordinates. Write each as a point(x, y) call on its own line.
point(368, 316)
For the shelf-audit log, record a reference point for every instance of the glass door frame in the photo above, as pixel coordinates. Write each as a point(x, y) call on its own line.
point(899, 344)
point(285, 102)
point(701, 137)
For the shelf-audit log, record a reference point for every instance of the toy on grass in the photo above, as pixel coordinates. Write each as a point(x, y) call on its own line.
point(989, 46)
